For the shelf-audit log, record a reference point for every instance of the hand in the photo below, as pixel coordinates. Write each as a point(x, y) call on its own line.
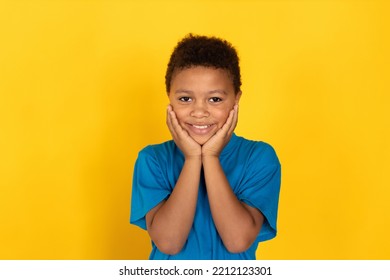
point(183, 140)
point(215, 145)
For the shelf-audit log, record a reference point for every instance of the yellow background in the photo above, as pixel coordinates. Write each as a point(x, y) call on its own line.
point(82, 91)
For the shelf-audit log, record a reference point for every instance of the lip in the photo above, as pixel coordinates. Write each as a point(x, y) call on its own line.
point(200, 129)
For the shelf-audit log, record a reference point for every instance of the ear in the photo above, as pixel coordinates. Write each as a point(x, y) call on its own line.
point(238, 96)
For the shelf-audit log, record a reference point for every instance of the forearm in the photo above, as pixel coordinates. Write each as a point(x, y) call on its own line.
point(237, 225)
point(170, 224)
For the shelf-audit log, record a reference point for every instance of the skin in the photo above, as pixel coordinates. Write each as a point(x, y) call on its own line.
point(201, 117)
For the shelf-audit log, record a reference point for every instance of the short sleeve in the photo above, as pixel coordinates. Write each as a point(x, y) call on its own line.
point(149, 187)
point(261, 186)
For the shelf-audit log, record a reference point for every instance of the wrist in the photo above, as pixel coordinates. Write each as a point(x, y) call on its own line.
point(193, 158)
point(210, 157)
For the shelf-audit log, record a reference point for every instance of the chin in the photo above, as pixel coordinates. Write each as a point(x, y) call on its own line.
point(200, 139)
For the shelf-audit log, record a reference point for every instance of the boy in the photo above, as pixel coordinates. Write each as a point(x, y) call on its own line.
point(206, 194)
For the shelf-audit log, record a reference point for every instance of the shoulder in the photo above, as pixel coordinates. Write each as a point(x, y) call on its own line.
point(158, 149)
point(153, 158)
point(164, 154)
point(257, 150)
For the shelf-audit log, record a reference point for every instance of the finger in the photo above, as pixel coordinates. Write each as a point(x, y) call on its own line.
point(169, 122)
point(235, 120)
point(226, 127)
point(178, 129)
point(168, 118)
point(174, 121)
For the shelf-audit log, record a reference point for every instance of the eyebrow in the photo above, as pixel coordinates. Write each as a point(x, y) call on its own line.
point(218, 91)
point(191, 92)
point(183, 91)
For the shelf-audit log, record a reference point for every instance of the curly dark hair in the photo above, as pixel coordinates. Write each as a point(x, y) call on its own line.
point(195, 50)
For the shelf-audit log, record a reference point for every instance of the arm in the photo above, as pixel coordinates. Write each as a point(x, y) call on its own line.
point(237, 223)
point(170, 222)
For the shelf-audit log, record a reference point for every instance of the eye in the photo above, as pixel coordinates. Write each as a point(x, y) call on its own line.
point(215, 99)
point(185, 99)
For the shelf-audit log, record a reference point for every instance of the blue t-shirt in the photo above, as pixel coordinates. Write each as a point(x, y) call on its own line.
point(253, 171)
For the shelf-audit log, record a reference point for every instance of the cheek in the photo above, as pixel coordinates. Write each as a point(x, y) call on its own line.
point(180, 114)
point(221, 116)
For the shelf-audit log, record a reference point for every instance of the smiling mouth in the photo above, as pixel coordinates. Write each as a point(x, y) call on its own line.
point(201, 126)
point(200, 129)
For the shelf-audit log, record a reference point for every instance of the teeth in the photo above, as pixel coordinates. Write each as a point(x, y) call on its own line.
point(201, 126)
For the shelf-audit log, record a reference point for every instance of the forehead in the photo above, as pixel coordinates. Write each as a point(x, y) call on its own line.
point(202, 78)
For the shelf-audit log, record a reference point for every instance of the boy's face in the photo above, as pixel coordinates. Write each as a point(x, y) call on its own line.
point(202, 98)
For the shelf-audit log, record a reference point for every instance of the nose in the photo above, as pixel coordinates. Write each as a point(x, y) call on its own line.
point(199, 110)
